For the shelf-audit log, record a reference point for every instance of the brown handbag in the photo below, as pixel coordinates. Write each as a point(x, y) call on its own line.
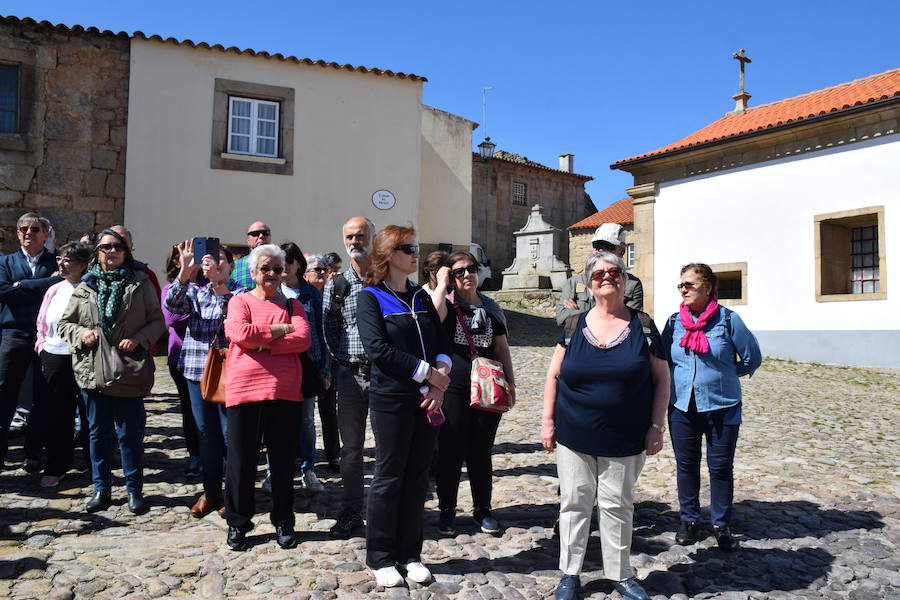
point(212, 382)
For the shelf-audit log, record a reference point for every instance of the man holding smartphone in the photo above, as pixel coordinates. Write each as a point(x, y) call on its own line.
point(258, 233)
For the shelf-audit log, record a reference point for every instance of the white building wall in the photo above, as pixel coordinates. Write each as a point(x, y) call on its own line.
point(763, 214)
point(354, 134)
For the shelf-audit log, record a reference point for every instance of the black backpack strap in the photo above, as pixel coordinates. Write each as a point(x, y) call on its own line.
point(341, 288)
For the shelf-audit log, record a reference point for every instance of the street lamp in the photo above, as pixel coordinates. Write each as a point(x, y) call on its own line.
point(486, 149)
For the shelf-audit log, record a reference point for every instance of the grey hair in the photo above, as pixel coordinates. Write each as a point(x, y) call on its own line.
point(607, 257)
point(270, 250)
point(29, 217)
point(317, 258)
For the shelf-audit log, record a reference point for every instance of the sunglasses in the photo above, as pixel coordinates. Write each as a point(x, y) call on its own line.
point(317, 270)
point(410, 249)
point(259, 232)
point(32, 229)
point(463, 270)
point(688, 285)
point(276, 270)
point(600, 274)
point(118, 247)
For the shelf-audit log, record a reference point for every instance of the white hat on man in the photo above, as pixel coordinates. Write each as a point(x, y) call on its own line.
point(611, 233)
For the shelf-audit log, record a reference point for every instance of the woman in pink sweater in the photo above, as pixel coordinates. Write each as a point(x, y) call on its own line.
point(262, 396)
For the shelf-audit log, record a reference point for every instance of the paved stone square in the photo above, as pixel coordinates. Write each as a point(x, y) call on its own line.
point(816, 511)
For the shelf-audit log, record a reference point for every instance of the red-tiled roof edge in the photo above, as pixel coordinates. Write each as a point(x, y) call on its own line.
point(847, 108)
point(620, 211)
point(536, 165)
point(190, 43)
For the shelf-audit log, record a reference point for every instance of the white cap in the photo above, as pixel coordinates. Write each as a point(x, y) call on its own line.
point(611, 233)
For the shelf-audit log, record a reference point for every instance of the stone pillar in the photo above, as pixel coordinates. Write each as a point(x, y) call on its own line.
point(644, 200)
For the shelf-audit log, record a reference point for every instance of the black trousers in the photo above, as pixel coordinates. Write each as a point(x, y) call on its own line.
point(279, 422)
point(16, 355)
point(188, 424)
point(331, 439)
point(467, 435)
point(51, 427)
point(404, 444)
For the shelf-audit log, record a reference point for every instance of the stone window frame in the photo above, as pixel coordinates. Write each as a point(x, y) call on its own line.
point(220, 158)
point(831, 231)
point(729, 269)
point(524, 195)
point(24, 138)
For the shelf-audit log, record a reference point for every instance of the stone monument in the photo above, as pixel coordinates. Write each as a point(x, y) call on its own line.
point(536, 265)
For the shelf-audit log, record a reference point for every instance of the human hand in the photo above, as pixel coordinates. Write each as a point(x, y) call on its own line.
point(127, 345)
point(570, 304)
point(443, 277)
point(89, 338)
point(653, 441)
point(439, 380)
point(548, 435)
point(211, 268)
point(186, 265)
point(432, 399)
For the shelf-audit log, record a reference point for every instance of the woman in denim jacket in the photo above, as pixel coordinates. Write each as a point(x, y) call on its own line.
point(709, 349)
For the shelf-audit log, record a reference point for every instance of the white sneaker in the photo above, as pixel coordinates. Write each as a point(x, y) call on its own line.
point(387, 577)
point(311, 482)
point(418, 572)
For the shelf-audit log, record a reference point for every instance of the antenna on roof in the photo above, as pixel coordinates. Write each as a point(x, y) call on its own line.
point(485, 148)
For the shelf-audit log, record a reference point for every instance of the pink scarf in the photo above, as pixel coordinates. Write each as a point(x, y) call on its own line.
point(694, 338)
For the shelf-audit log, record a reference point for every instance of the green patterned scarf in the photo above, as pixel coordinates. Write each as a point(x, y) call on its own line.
point(110, 291)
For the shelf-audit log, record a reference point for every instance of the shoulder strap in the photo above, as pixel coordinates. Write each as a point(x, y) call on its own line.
point(341, 287)
point(473, 351)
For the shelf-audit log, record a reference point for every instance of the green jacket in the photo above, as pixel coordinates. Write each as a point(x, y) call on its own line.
point(575, 289)
point(140, 319)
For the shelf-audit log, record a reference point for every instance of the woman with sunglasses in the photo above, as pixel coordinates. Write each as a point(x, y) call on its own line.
point(604, 411)
point(262, 396)
point(55, 406)
point(316, 271)
point(709, 348)
point(127, 306)
point(403, 338)
point(206, 305)
point(468, 434)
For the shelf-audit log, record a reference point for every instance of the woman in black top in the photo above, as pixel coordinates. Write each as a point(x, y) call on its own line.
point(403, 338)
point(605, 402)
point(468, 433)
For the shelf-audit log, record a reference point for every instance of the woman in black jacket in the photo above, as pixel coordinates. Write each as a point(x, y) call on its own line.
point(409, 350)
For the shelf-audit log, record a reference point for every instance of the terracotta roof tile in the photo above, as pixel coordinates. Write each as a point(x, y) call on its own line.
point(868, 90)
point(233, 49)
point(621, 212)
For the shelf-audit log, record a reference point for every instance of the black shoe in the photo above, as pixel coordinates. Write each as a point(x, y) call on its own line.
point(569, 588)
point(32, 466)
point(445, 522)
point(687, 533)
point(724, 538)
point(192, 467)
point(630, 589)
point(486, 521)
point(99, 501)
point(348, 520)
point(284, 535)
point(137, 504)
point(237, 539)
point(334, 466)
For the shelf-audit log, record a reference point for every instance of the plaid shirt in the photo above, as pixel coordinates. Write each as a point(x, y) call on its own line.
point(206, 311)
point(240, 274)
point(341, 333)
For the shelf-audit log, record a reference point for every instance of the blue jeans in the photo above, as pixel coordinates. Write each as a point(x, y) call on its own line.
point(307, 434)
point(128, 417)
point(687, 430)
point(212, 427)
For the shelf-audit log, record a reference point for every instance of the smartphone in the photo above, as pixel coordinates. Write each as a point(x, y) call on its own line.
point(204, 246)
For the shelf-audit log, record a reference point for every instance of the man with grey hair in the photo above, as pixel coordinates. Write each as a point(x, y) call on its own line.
point(24, 277)
point(575, 298)
point(352, 368)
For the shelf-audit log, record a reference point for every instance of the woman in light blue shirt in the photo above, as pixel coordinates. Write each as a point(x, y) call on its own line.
point(709, 349)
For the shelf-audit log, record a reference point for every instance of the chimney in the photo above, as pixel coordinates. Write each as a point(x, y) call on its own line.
point(567, 163)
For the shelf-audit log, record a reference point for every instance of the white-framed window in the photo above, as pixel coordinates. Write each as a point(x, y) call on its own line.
point(865, 276)
point(253, 126)
point(519, 193)
point(629, 255)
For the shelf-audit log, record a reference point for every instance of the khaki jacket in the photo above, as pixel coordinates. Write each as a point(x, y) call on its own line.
point(140, 319)
point(575, 289)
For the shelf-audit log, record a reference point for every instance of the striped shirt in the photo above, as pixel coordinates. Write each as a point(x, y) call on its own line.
point(206, 310)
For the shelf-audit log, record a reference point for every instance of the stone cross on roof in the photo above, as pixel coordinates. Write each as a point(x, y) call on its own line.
point(740, 99)
point(743, 58)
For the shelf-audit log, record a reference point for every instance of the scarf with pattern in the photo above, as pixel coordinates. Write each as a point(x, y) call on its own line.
point(110, 291)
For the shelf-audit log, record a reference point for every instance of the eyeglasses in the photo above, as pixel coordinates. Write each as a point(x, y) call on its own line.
point(276, 270)
point(410, 249)
point(460, 272)
point(601, 274)
point(32, 229)
point(118, 247)
point(688, 285)
point(259, 232)
point(317, 270)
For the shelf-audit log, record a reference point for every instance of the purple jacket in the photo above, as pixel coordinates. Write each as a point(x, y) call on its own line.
point(177, 325)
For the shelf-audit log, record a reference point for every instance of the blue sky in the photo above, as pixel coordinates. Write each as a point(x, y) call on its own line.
point(602, 80)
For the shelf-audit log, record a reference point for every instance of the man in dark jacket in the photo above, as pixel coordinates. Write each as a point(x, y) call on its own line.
point(24, 277)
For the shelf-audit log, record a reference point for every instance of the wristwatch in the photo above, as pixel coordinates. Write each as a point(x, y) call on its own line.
point(662, 427)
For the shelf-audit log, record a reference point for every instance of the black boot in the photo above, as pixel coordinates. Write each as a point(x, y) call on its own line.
point(236, 539)
point(284, 535)
point(99, 501)
point(724, 538)
point(137, 504)
point(688, 533)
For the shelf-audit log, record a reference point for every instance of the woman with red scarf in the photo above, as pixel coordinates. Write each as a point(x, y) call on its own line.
point(709, 349)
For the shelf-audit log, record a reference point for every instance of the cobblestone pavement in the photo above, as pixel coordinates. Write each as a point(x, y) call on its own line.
point(815, 508)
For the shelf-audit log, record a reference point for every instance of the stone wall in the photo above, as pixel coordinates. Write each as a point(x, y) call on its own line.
point(67, 160)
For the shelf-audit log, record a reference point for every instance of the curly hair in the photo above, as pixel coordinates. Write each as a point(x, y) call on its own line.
point(383, 246)
point(705, 272)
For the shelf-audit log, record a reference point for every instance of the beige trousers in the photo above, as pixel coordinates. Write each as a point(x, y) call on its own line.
point(584, 479)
